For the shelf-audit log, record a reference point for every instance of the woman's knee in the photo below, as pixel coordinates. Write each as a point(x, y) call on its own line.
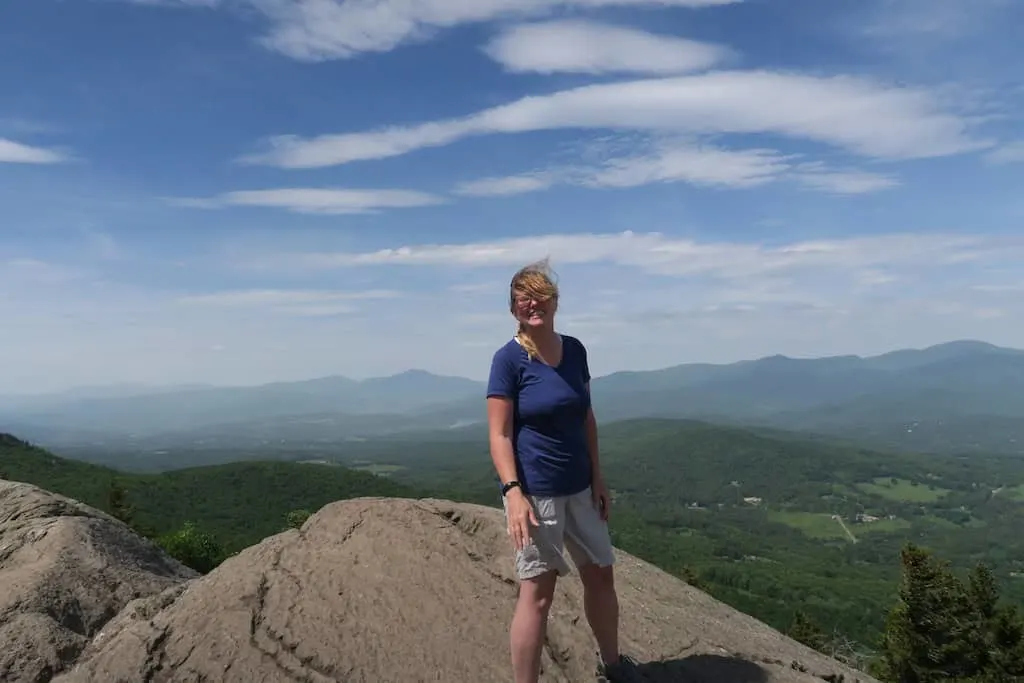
point(537, 593)
point(598, 578)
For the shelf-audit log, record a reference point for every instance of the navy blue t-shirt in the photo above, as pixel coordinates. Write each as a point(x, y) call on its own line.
point(549, 412)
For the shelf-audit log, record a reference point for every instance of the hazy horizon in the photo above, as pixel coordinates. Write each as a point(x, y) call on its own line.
point(143, 387)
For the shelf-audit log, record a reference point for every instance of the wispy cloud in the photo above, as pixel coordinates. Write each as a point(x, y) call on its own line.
point(292, 302)
point(670, 161)
point(100, 243)
point(661, 162)
point(656, 253)
point(944, 19)
point(26, 272)
point(574, 45)
point(178, 3)
point(504, 186)
point(1010, 153)
point(317, 30)
point(17, 153)
point(698, 165)
point(855, 114)
point(819, 177)
point(277, 297)
point(330, 201)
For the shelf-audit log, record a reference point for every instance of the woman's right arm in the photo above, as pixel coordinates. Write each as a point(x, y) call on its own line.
point(520, 512)
point(499, 420)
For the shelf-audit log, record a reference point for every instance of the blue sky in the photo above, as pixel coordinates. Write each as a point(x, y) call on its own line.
point(238, 191)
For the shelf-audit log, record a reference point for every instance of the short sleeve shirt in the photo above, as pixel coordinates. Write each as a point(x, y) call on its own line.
point(550, 407)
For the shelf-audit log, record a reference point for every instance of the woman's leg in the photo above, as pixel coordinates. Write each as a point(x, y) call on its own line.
point(529, 624)
point(601, 606)
point(590, 545)
point(538, 566)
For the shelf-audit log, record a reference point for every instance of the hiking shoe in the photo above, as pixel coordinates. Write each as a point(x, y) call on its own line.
point(623, 671)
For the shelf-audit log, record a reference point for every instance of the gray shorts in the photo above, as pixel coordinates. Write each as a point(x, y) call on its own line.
point(570, 521)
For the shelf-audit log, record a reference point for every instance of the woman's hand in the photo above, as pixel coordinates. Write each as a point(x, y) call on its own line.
point(520, 517)
point(602, 499)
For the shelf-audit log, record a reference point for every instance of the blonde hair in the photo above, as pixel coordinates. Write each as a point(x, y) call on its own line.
point(534, 280)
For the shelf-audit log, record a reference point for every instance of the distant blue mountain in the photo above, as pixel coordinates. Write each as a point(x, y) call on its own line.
point(966, 395)
point(194, 408)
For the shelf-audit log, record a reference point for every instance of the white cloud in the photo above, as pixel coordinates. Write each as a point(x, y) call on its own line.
point(317, 30)
point(28, 273)
point(1013, 287)
point(818, 177)
point(698, 165)
point(704, 165)
point(1010, 153)
point(573, 45)
point(16, 153)
point(178, 3)
point(668, 161)
point(855, 114)
point(655, 253)
point(281, 297)
point(308, 303)
point(938, 19)
point(507, 185)
point(317, 200)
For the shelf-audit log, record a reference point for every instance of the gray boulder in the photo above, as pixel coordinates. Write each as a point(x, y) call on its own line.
point(66, 569)
point(394, 590)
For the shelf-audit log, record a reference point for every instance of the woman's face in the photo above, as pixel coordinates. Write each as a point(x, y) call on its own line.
point(532, 311)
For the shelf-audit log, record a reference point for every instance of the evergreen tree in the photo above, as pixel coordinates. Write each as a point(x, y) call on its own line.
point(117, 503)
point(984, 596)
point(804, 630)
point(1006, 642)
point(943, 630)
point(927, 634)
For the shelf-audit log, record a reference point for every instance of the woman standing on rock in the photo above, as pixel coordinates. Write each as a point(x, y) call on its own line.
point(543, 439)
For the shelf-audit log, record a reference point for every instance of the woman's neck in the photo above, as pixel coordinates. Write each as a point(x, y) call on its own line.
point(543, 336)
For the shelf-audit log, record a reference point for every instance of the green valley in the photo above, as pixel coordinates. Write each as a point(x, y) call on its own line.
point(237, 503)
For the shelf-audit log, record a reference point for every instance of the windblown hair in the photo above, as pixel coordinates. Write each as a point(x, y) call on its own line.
point(538, 281)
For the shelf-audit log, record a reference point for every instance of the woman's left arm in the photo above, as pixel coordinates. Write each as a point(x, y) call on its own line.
point(598, 487)
point(592, 441)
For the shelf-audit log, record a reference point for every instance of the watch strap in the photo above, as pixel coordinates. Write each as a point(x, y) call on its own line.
point(509, 486)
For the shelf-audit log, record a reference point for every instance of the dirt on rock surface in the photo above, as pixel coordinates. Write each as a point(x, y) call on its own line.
point(65, 570)
point(377, 590)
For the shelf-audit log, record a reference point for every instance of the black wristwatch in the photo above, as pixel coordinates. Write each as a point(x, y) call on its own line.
point(509, 486)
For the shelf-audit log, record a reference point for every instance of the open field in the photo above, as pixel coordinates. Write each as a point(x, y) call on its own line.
point(825, 526)
point(1014, 493)
point(903, 490)
point(377, 468)
point(814, 524)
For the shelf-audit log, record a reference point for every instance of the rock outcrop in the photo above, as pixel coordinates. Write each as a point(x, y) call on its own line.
point(377, 590)
point(65, 570)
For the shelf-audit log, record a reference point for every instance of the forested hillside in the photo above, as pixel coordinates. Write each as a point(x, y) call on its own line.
point(238, 503)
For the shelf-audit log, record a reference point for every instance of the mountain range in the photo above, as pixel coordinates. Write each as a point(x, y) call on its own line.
point(961, 396)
